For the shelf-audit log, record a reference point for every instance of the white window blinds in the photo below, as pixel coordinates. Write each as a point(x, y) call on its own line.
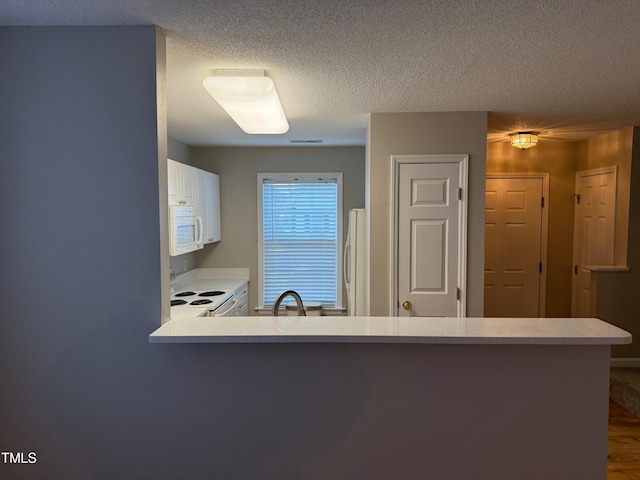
point(300, 238)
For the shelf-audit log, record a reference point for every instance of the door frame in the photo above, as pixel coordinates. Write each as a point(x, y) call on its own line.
point(463, 161)
point(544, 231)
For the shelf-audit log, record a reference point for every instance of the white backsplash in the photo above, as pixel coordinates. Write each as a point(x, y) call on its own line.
point(210, 273)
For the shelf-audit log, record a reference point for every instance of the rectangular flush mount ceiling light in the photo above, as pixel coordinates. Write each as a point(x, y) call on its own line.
point(249, 98)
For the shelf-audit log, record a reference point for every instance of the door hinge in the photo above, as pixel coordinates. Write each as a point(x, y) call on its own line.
point(459, 193)
point(542, 202)
point(577, 195)
point(575, 269)
point(458, 294)
point(540, 267)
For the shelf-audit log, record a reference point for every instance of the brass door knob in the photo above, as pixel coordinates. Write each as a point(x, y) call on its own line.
point(406, 305)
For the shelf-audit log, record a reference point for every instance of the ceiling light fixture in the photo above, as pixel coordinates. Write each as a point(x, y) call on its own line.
point(524, 140)
point(250, 98)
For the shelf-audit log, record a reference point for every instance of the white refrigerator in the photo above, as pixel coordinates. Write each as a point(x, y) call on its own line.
point(356, 260)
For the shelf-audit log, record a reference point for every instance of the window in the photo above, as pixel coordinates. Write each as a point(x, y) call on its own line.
point(300, 236)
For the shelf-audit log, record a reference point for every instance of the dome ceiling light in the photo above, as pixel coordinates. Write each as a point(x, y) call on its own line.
point(524, 140)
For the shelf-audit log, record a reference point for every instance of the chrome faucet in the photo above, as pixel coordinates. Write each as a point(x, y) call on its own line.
point(286, 293)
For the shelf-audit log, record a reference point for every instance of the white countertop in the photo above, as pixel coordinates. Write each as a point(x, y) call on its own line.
point(429, 330)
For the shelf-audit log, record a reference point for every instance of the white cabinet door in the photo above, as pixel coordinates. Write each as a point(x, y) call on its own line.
point(188, 184)
point(208, 188)
point(173, 174)
point(181, 183)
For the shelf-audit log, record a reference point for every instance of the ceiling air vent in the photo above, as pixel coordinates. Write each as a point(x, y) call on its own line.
point(305, 142)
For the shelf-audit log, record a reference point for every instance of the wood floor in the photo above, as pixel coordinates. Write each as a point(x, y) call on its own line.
point(624, 444)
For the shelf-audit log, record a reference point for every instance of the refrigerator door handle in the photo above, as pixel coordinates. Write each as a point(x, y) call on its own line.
point(345, 263)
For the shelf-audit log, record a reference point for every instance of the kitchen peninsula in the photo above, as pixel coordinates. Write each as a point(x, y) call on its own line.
point(415, 398)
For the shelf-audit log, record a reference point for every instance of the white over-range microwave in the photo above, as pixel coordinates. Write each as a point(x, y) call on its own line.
point(185, 230)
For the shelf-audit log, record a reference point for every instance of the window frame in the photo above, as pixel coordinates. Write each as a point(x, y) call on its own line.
point(337, 176)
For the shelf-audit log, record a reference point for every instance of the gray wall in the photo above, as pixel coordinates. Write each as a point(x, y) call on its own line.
point(238, 169)
point(80, 250)
point(617, 293)
point(424, 133)
point(178, 151)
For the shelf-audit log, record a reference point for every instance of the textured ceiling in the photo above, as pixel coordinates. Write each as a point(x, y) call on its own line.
point(569, 69)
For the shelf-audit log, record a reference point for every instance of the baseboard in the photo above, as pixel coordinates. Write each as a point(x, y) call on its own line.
point(625, 362)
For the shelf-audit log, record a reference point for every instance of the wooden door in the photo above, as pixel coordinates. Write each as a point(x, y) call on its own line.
point(430, 238)
point(513, 247)
point(594, 233)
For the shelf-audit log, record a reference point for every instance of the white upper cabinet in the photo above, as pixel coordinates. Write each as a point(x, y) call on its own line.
point(173, 172)
point(188, 185)
point(182, 183)
point(209, 204)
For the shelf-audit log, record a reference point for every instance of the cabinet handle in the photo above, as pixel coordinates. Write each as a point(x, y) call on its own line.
point(199, 220)
point(406, 305)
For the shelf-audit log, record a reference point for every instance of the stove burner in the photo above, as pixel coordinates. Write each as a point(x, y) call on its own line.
point(185, 294)
point(211, 293)
point(177, 302)
point(203, 301)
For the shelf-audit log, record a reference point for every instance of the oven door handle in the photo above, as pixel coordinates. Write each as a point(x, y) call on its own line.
point(232, 301)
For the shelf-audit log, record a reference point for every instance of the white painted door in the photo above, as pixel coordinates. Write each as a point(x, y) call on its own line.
point(431, 232)
point(594, 233)
point(513, 247)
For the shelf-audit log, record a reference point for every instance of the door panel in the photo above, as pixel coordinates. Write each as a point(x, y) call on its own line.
point(513, 247)
point(428, 238)
point(428, 270)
